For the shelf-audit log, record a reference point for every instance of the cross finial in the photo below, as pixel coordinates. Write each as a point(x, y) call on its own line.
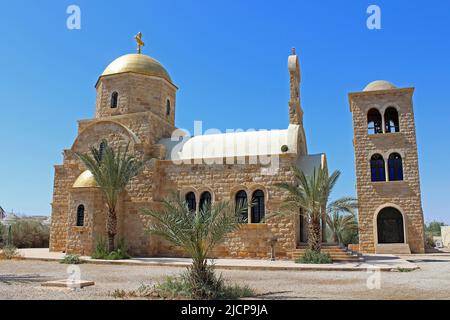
point(293, 51)
point(139, 42)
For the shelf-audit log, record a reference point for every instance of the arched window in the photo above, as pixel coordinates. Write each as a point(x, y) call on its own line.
point(168, 107)
point(391, 120)
point(191, 201)
point(114, 99)
point(390, 226)
point(258, 210)
point(80, 215)
point(395, 167)
point(374, 122)
point(241, 200)
point(101, 150)
point(377, 168)
point(205, 198)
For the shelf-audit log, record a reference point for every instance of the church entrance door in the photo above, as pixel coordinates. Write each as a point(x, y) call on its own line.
point(390, 226)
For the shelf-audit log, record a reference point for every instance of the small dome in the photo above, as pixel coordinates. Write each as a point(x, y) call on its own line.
point(379, 85)
point(137, 63)
point(85, 180)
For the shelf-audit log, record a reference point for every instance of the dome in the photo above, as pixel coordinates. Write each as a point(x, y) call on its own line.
point(379, 85)
point(85, 180)
point(137, 63)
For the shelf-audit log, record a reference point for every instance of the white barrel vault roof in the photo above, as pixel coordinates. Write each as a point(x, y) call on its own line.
point(234, 144)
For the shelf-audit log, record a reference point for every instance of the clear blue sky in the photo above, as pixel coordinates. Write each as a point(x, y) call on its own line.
point(229, 60)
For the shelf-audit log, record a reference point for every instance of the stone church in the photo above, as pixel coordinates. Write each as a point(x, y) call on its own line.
point(136, 106)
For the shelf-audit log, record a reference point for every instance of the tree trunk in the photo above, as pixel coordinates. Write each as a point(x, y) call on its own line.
point(111, 228)
point(314, 236)
point(335, 238)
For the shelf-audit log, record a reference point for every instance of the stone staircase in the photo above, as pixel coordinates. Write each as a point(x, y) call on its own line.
point(337, 253)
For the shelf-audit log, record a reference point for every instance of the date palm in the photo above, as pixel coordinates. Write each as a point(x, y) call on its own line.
point(311, 194)
point(112, 172)
point(341, 218)
point(197, 233)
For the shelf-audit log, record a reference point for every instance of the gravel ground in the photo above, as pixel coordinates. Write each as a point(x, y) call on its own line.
point(22, 280)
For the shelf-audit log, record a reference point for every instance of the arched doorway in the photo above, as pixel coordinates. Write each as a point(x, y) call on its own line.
point(390, 226)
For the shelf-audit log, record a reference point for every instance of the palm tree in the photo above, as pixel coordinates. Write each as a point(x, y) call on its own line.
point(311, 194)
point(340, 223)
point(197, 233)
point(112, 172)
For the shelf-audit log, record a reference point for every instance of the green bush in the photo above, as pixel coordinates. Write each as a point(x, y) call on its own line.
point(429, 241)
point(101, 251)
point(181, 288)
point(314, 257)
point(71, 259)
point(28, 233)
point(9, 252)
point(184, 287)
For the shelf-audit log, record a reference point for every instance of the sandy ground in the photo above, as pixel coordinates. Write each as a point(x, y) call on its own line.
point(22, 280)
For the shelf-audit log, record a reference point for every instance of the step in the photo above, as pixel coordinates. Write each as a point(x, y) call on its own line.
point(336, 252)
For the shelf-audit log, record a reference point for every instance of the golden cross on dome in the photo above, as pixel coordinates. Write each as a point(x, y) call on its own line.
point(140, 43)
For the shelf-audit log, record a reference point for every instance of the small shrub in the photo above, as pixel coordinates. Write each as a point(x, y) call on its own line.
point(71, 259)
point(179, 288)
point(182, 287)
point(9, 252)
point(404, 270)
point(429, 241)
point(101, 251)
point(28, 233)
point(314, 257)
point(173, 287)
point(119, 294)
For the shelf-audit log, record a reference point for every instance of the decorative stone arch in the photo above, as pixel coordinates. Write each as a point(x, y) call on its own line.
point(375, 221)
point(206, 189)
point(252, 188)
point(383, 108)
point(184, 191)
point(238, 188)
point(233, 192)
point(391, 151)
point(121, 130)
point(373, 106)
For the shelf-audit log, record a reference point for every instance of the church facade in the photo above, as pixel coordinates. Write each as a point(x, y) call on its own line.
point(136, 106)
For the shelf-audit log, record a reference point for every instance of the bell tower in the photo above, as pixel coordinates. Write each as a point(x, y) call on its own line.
point(387, 171)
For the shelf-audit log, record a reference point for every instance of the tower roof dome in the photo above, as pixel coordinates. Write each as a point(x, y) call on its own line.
point(379, 85)
point(137, 63)
point(85, 180)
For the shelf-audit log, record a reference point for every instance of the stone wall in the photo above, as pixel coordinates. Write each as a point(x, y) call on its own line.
point(372, 196)
point(65, 176)
point(224, 181)
point(137, 93)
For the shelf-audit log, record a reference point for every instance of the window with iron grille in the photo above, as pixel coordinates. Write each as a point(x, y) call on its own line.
point(80, 215)
point(377, 168)
point(258, 209)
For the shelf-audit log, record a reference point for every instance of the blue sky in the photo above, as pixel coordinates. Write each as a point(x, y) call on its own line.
point(229, 60)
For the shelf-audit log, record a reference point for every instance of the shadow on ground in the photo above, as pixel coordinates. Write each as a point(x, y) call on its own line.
point(10, 279)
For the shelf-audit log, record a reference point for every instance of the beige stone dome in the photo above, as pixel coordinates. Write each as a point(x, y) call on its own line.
point(137, 63)
point(85, 180)
point(379, 85)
